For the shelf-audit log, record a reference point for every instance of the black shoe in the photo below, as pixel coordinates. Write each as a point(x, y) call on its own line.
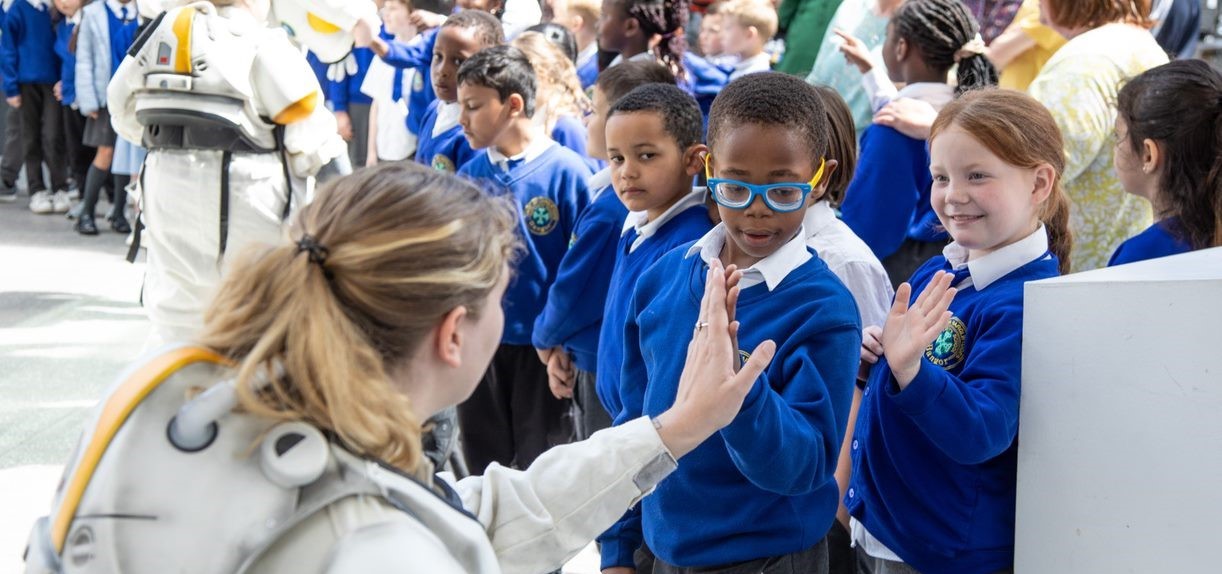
point(119, 224)
point(8, 193)
point(85, 225)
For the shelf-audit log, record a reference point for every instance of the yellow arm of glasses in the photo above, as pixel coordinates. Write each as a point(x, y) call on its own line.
point(708, 171)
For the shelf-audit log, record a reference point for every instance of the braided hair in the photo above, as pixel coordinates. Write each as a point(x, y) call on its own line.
point(665, 18)
point(943, 30)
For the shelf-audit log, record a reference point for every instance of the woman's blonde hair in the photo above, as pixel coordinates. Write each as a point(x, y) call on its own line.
point(560, 90)
point(370, 267)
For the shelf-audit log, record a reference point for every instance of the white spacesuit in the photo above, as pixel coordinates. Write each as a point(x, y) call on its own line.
point(162, 483)
point(235, 125)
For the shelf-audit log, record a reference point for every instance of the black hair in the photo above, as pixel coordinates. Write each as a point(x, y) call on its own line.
point(617, 81)
point(504, 69)
point(559, 36)
point(1179, 105)
point(771, 99)
point(487, 28)
point(842, 142)
point(665, 18)
point(680, 112)
point(940, 28)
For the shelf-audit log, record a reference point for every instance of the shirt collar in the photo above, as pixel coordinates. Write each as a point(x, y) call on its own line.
point(40, 5)
point(645, 229)
point(762, 59)
point(932, 93)
point(988, 269)
point(770, 270)
point(585, 55)
point(539, 143)
point(117, 8)
point(599, 181)
point(818, 216)
point(646, 55)
point(447, 117)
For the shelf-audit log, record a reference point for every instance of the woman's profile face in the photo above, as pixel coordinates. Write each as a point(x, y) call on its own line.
point(480, 338)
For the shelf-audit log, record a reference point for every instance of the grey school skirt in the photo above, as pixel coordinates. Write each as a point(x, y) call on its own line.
point(99, 132)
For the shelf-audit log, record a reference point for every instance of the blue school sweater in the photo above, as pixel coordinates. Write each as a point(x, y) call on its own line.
point(587, 73)
point(571, 133)
point(1159, 240)
point(573, 316)
point(447, 151)
point(687, 226)
point(888, 200)
point(27, 48)
point(551, 191)
point(762, 486)
point(704, 80)
point(67, 71)
point(934, 466)
point(122, 33)
point(348, 90)
point(418, 53)
point(320, 72)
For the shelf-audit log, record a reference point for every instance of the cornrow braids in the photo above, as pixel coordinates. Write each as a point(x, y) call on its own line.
point(665, 18)
point(941, 28)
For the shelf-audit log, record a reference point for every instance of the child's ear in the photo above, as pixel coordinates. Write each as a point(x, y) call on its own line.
point(693, 158)
point(1045, 177)
point(632, 27)
point(517, 104)
point(448, 340)
point(1151, 156)
point(820, 189)
point(901, 49)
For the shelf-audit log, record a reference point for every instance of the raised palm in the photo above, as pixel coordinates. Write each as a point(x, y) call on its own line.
point(910, 329)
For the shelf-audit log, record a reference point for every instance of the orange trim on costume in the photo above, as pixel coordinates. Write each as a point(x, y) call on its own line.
point(299, 110)
point(182, 32)
point(321, 26)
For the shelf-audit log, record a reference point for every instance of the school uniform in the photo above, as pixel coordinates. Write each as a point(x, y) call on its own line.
point(417, 55)
point(573, 316)
point(761, 62)
point(441, 143)
point(641, 244)
point(79, 155)
point(887, 204)
point(1163, 239)
point(30, 69)
point(934, 465)
point(587, 65)
point(389, 87)
point(704, 79)
point(851, 260)
point(347, 97)
point(512, 417)
point(762, 489)
point(571, 133)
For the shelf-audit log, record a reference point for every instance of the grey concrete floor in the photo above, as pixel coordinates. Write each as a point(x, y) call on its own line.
point(70, 320)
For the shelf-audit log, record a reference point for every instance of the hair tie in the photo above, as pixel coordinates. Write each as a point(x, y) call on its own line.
point(318, 253)
point(974, 47)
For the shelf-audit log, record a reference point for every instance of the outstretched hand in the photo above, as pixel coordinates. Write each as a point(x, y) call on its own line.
point(909, 330)
point(711, 388)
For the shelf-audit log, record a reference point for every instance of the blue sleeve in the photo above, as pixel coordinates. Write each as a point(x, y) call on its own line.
point(620, 541)
point(86, 95)
point(882, 199)
point(787, 436)
point(1122, 256)
point(581, 279)
point(412, 54)
point(8, 53)
point(972, 417)
point(339, 94)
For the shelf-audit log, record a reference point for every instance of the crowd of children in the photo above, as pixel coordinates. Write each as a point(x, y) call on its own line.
point(879, 231)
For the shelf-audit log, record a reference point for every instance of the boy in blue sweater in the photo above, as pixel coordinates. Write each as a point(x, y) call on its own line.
point(351, 108)
point(512, 417)
point(31, 69)
point(760, 495)
point(440, 142)
point(653, 144)
point(567, 331)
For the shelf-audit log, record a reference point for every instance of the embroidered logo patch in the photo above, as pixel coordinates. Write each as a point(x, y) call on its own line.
point(443, 163)
point(948, 349)
point(743, 356)
point(541, 215)
point(418, 83)
point(572, 240)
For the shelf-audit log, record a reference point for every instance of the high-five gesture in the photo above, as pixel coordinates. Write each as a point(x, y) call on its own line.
point(909, 330)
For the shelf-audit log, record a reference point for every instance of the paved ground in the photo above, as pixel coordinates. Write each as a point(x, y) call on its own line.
point(70, 320)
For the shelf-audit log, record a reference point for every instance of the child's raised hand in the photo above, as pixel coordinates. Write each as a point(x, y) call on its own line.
point(909, 330)
point(855, 51)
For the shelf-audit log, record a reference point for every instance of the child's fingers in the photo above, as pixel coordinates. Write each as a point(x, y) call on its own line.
point(919, 304)
point(900, 306)
point(716, 316)
point(761, 357)
point(732, 303)
point(938, 326)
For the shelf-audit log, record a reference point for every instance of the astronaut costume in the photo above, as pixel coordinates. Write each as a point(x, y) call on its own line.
point(162, 483)
point(234, 122)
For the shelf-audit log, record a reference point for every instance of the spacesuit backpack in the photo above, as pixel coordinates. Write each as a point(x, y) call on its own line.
point(168, 477)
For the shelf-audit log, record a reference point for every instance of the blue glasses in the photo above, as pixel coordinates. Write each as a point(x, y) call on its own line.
point(779, 197)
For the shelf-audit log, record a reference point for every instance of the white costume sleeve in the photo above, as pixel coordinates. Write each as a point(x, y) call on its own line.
point(538, 518)
point(119, 101)
point(288, 91)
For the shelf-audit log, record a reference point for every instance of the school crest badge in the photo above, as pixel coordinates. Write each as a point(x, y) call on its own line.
point(948, 350)
point(743, 356)
point(418, 82)
point(541, 215)
point(443, 163)
point(572, 240)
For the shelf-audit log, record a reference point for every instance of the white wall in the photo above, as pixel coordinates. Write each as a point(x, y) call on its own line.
point(1120, 437)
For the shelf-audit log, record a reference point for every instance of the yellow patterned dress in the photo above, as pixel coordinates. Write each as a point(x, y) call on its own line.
point(1079, 86)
